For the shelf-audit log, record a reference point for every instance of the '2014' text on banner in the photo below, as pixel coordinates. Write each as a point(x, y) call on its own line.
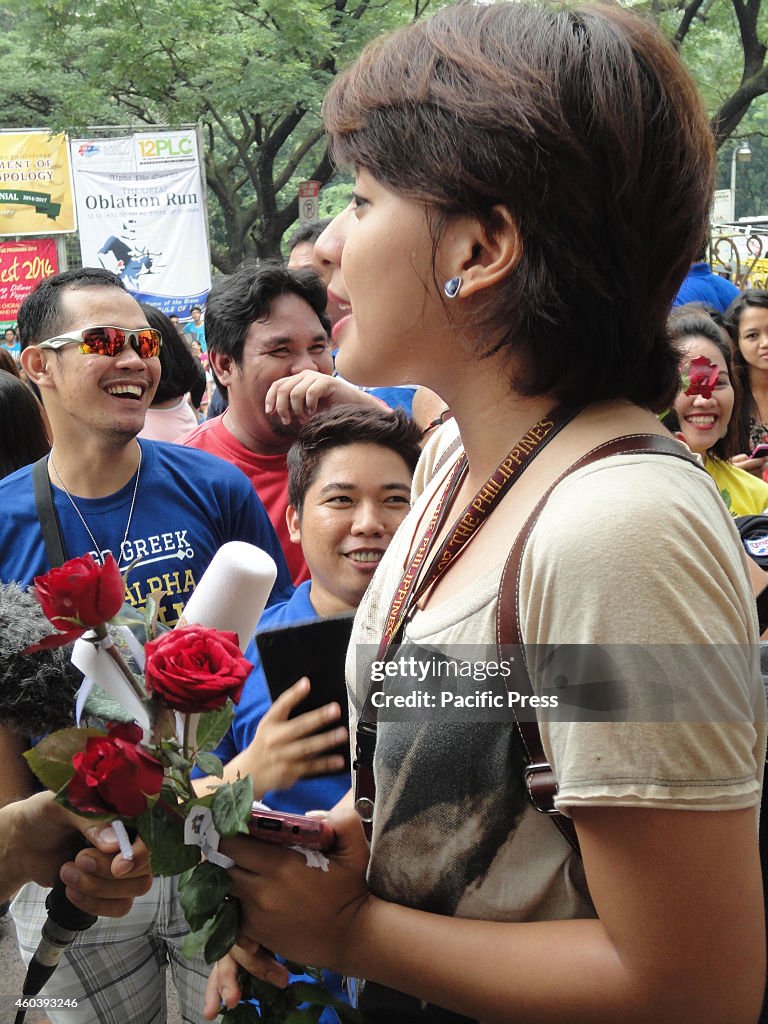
point(22, 266)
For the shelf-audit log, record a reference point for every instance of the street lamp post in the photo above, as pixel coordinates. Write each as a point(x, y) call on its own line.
point(741, 154)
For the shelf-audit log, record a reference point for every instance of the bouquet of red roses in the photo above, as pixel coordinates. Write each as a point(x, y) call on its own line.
point(138, 770)
point(162, 721)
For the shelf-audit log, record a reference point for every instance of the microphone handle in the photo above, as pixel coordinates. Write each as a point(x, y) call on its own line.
point(61, 926)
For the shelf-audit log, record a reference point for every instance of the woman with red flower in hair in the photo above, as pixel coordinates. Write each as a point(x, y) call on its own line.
point(704, 412)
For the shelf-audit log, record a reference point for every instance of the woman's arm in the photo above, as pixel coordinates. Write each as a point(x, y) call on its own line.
point(680, 935)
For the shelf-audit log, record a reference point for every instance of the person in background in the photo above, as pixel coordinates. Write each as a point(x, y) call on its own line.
point(746, 320)
point(301, 245)
point(10, 344)
point(349, 478)
point(23, 434)
point(268, 345)
point(8, 363)
point(702, 285)
point(196, 328)
point(175, 321)
point(704, 412)
point(164, 512)
point(532, 181)
point(182, 384)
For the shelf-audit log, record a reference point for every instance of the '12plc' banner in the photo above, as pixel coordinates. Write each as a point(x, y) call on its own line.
point(142, 215)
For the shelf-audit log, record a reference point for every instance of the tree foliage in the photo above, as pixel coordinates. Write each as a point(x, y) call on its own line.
point(723, 42)
point(251, 73)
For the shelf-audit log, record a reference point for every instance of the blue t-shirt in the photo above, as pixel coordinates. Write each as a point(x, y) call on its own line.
point(198, 333)
point(188, 504)
point(399, 397)
point(701, 285)
point(14, 350)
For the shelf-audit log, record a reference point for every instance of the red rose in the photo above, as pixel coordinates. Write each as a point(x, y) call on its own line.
point(114, 775)
point(82, 590)
point(195, 668)
point(702, 377)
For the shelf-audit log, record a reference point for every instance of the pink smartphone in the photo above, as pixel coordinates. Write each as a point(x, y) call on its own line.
point(759, 451)
point(285, 829)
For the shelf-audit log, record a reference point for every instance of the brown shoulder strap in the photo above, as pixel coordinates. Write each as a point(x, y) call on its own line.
point(539, 777)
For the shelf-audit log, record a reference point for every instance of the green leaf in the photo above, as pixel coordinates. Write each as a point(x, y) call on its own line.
point(194, 943)
point(51, 758)
point(217, 935)
point(213, 725)
point(243, 1013)
point(231, 807)
point(151, 609)
point(174, 758)
point(316, 995)
point(307, 1015)
point(127, 616)
point(163, 834)
point(226, 925)
point(100, 705)
point(202, 891)
point(209, 764)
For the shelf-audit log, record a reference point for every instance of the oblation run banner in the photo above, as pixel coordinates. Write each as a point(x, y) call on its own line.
point(22, 266)
point(142, 215)
point(35, 184)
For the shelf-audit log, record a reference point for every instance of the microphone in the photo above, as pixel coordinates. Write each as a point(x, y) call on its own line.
point(232, 591)
point(62, 924)
point(231, 595)
point(37, 691)
point(37, 695)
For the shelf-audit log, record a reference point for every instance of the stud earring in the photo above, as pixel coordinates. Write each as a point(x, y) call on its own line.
point(452, 287)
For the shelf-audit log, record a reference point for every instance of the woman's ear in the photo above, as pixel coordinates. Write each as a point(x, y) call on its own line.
point(293, 523)
point(481, 253)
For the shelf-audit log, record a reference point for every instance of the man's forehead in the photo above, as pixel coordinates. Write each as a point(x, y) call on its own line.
point(100, 304)
point(288, 322)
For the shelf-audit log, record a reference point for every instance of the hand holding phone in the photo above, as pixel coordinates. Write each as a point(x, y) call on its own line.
point(316, 650)
point(759, 451)
point(283, 829)
point(285, 749)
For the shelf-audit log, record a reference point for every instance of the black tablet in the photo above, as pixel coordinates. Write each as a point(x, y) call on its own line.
point(317, 650)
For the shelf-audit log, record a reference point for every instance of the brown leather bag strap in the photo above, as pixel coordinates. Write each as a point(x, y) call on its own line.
point(540, 779)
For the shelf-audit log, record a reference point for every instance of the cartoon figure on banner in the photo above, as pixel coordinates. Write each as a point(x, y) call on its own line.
point(125, 256)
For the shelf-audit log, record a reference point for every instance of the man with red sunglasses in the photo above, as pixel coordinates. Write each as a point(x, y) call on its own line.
point(159, 508)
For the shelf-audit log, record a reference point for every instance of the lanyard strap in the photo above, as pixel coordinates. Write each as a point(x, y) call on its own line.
point(535, 439)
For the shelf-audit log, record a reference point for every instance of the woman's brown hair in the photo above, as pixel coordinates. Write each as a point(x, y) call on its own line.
point(584, 123)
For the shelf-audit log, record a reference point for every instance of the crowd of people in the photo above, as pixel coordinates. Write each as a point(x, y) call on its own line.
point(456, 412)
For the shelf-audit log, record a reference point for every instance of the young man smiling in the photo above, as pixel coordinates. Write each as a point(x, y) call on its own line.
point(267, 334)
point(87, 347)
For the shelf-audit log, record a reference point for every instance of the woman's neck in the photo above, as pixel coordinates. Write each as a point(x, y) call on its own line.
point(758, 386)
